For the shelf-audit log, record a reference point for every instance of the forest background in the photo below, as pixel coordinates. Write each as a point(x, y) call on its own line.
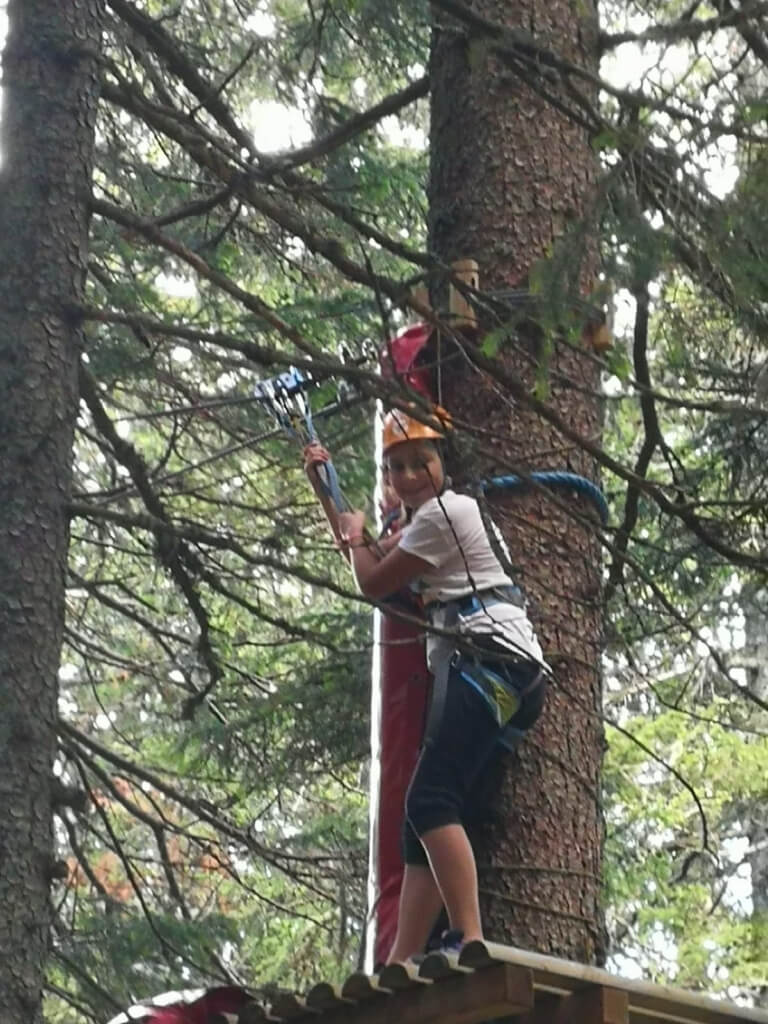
point(211, 802)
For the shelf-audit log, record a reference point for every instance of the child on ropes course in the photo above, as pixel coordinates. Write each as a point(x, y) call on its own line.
point(486, 662)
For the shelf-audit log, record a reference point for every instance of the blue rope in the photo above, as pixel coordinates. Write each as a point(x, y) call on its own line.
point(329, 480)
point(556, 479)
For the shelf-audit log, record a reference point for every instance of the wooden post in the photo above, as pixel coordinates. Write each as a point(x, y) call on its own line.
point(599, 337)
point(460, 308)
point(595, 1004)
point(420, 303)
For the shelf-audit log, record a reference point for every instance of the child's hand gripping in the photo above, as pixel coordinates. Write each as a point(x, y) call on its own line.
point(317, 462)
point(314, 457)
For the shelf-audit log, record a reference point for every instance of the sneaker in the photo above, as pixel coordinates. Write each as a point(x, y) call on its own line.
point(452, 941)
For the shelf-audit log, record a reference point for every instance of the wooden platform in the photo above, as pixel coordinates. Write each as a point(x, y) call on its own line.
point(491, 982)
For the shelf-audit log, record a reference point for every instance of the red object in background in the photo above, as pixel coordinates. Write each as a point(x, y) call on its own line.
point(228, 999)
point(401, 700)
point(400, 354)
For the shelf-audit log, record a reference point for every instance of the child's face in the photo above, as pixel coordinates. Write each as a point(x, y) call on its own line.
point(415, 472)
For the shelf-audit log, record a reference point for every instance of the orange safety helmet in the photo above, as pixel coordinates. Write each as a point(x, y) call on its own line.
point(399, 426)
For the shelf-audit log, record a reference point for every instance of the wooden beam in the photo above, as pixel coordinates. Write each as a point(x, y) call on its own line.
point(647, 1009)
point(469, 999)
point(647, 1002)
point(594, 1004)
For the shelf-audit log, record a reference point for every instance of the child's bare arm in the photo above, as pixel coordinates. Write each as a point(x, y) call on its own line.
point(377, 576)
point(314, 456)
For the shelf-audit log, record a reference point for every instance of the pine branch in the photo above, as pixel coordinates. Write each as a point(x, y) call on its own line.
point(203, 809)
point(542, 63)
point(652, 439)
point(351, 128)
point(175, 58)
point(158, 633)
point(249, 187)
point(518, 391)
point(195, 208)
point(686, 29)
point(164, 46)
point(151, 233)
point(174, 554)
point(192, 533)
point(106, 997)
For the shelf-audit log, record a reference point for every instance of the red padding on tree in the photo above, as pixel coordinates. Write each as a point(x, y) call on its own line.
point(404, 688)
point(399, 357)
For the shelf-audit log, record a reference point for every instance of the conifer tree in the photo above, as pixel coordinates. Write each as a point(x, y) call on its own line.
point(51, 88)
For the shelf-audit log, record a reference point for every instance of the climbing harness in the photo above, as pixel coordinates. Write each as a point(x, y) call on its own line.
point(480, 599)
point(502, 695)
point(285, 398)
point(489, 673)
point(496, 686)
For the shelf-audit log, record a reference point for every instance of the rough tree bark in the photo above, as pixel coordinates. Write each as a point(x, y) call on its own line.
point(50, 83)
point(510, 175)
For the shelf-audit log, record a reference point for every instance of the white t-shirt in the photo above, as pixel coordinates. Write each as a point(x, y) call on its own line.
point(449, 533)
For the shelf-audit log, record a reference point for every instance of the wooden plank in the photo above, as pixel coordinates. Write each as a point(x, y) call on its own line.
point(460, 308)
point(440, 965)
point(289, 1007)
point(399, 977)
point(324, 996)
point(650, 1010)
point(252, 1013)
point(360, 986)
point(466, 999)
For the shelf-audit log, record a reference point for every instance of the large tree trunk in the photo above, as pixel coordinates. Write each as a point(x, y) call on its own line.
point(509, 176)
point(50, 82)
